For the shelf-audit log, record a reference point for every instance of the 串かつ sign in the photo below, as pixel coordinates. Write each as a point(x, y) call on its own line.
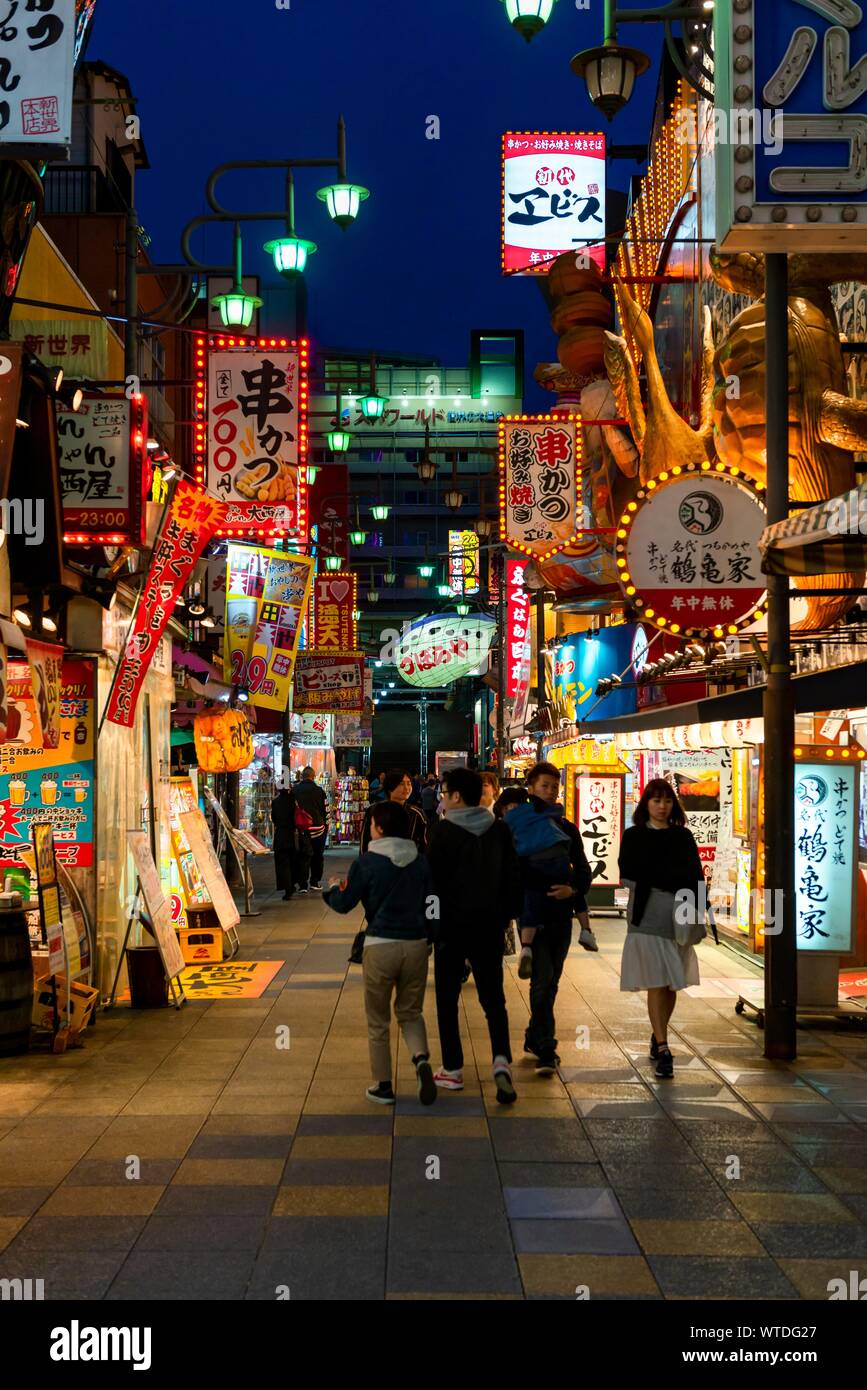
point(540, 459)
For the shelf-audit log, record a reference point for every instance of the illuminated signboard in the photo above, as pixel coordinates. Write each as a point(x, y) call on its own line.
point(102, 451)
point(443, 647)
point(464, 562)
point(825, 856)
point(553, 198)
point(688, 554)
point(540, 461)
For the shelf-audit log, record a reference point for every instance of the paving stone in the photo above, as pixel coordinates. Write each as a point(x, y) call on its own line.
point(673, 1203)
point(553, 1141)
point(793, 1239)
point(216, 1201)
point(602, 1275)
point(431, 1233)
point(788, 1206)
point(694, 1237)
point(216, 1232)
point(552, 1175)
point(66, 1275)
point(590, 1237)
point(529, 1203)
point(108, 1172)
point(240, 1146)
point(360, 1172)
point(318, 1276)
point(448, 1273)
point(350, 1234)
point(719, 1277)
point(182, 1276)
point(82, 1233)
point(22, 1201)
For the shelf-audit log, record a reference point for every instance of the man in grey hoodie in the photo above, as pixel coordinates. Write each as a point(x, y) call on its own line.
point(477, 880)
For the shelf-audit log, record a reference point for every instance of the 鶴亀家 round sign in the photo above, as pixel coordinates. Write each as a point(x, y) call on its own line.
point(688, 552)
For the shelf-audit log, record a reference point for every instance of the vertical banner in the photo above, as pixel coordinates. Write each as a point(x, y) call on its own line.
point(37, 55)
point(187, 527)
point(46, 663)
point(328, 509)
point(540, 462)
point(600, 821)
point(464, 562)
point(826, 850)
point(49, 893)
point(256, 433)
point(335, 600)
point(267, 592)
point(517, 628)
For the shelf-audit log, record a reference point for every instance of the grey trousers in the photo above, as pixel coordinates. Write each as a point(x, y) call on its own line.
point(399, 967)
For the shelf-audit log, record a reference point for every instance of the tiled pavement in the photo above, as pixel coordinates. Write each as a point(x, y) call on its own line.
point(262, 1170)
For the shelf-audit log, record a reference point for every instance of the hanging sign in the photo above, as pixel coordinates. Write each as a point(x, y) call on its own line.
point(599, 817)
point(826, 850)
point(256, 433)
point(553, 198)
point(266, 599)
point(313, 731)
point(582, 662)
point(464, 562)
point(444, 647)
point(540, 461)
point(186, 529)
point(789, 120)
point(37, 44)
point(329, 682)
point(333, 624)
point(690, 558)
point(103, 451)
point(517, 627)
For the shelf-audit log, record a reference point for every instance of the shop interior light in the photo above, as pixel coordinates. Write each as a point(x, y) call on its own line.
point(380, 512)
point(22, 617)
point(290, 254)
point(372, 405)
point(339, 441)
point(529, 17)
point(343, 201)
point(333, 562)
point(357, 537)
point(243, 695)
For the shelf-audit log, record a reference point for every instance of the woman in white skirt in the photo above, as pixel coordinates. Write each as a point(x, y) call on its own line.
point(658, 859)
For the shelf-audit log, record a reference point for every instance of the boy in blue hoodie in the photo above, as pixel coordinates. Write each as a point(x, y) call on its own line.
point(393, 882)
point(543, 849)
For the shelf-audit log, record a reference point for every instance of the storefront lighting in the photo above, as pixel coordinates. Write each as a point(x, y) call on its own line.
point(343, 201)
point(333, 562)
point(170, 471)
point(49, 625)
point(243, 696)
point(529, 17)
point(339, 441)
point(22, 617)
point(357, 537)
point(372, 406)
point(209, 620)
point(290, 254)
point(380, 512)
point(195, 605)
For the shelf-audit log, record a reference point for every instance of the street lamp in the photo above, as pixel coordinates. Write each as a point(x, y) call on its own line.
point(380, 512)
point(444, 590)
point(237, 308)
point(343, 201)
point(333, 562)
point(529, 17)
point(463, 609)
point(290, 253)
point(426, 571)
point(609, 73)
point(357, 537)
point(372, 406)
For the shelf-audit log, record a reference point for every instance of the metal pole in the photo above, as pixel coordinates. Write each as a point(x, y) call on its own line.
point(500, 561)
point(130, 345)
point(341, 150)
point(781, 956)
point(540, 664)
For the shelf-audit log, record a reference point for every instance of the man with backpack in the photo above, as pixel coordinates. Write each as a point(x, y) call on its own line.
point(477, 881)
point(311, 798)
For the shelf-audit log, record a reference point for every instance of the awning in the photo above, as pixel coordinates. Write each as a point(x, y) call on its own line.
point(839, 687)
point(830, 538)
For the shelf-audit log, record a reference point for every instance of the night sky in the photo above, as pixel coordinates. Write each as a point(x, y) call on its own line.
point(218, 80)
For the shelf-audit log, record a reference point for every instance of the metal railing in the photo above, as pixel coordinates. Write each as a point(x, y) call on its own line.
point(80, 188)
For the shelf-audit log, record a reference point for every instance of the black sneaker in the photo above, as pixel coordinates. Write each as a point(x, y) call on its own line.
point(654, 1047)
point(665, 1065)
point(382, 1094)
point(546, 1062)
point(427, 1091)
point(533, 1051)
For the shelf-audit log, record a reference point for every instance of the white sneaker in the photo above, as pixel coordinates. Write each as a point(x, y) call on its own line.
point(588, 940)
point(449, 1080)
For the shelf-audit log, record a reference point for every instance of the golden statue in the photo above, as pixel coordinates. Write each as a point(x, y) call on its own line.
point(825, 425)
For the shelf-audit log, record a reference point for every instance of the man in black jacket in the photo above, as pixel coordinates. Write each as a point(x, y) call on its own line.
point(311, 799)
point(397, 786)
point(477, 879)
point(552, 941)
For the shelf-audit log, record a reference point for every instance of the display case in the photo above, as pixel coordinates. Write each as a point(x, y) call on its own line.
point(187, 885)
point(350, 806)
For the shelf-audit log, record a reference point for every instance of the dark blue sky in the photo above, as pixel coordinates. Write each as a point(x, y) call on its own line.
point(239, 79)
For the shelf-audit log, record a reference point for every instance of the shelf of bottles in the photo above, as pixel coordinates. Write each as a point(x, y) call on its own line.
point(349, 808)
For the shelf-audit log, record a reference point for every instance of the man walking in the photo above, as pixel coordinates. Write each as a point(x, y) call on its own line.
point(554, 935)
point(477, 880)
point(311, 798)
point(397, 786)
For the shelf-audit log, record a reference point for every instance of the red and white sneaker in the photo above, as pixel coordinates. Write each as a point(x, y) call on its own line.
point(449, 1080)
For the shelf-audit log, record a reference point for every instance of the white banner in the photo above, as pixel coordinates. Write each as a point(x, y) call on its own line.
point(599, 802)
point(36, 61)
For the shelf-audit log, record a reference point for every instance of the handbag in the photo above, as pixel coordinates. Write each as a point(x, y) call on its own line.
point(303, 819)
point(356, 953)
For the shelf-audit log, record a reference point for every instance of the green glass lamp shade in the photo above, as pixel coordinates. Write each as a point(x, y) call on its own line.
point(357, 537)
point(333, 562)
point(343, 201)
point(290, 253)
point(380, 513)
point(463, 609)
point(444, 591)
point(236, 308)
point(425, 571)
point(372, 406)
point(529, 17)
point(312, 474)
point(339, 441)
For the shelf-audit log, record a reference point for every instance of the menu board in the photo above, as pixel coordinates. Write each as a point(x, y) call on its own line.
point(198, 837)
point(155, 902)
point(188, 886)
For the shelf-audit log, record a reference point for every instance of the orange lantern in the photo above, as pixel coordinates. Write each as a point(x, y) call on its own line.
point(224, 741)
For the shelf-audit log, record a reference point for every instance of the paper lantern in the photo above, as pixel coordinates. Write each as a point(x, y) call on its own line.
point(224, 742)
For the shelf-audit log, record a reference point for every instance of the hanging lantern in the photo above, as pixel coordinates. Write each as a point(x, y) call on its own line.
point(224, 741)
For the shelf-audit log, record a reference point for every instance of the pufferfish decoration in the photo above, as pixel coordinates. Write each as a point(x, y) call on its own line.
point(826, 426)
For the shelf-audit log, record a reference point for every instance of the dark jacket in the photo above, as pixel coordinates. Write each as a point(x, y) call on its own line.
point(417, 827)
point(285, 840)
point(665, 859)
point(394, 894)
point(312, 800)
point(579, 876)
point(476, 877)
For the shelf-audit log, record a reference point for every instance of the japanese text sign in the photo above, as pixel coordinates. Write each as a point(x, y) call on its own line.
point(257, 434)
point(36, 59)
point(79, 346)
point(102, 450)
point(326, 681)
point(600, 821)
point(540, 460)
point(335, 600)
point(586, 659)
point(443, 647)
point(464, 562)
point(517, 627)
point(266, 599)
point(553, 199)
point(791, 158)
point(691, 555)
point(187, 527)
point(825, 856)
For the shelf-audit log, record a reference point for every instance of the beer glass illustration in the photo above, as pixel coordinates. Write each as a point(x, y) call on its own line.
point(18, 792)
point(80, 794)
point(48, 791)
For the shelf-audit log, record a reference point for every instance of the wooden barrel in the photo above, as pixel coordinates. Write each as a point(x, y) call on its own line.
point(16, 983)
